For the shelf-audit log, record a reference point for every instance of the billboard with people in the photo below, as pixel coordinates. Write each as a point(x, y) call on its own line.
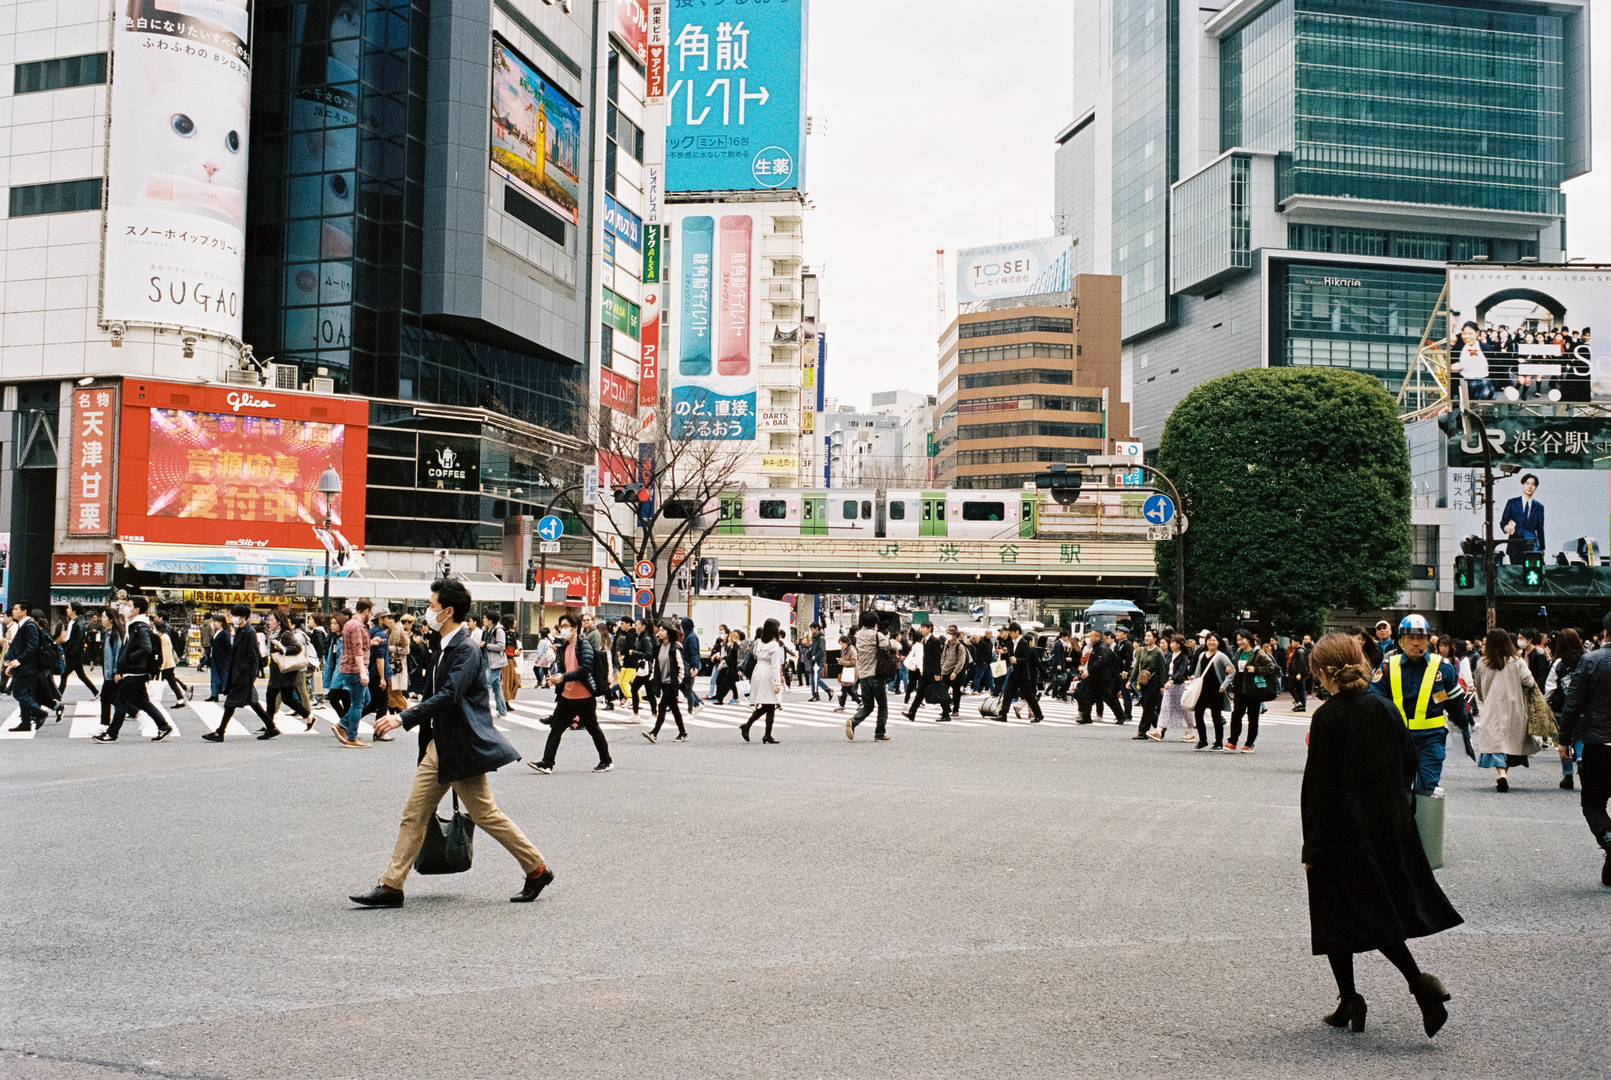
point(1524, 333)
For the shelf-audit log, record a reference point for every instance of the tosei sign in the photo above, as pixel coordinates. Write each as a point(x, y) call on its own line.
point(1022, 269)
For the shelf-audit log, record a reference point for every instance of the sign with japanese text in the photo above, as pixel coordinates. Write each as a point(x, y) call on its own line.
point(651, 255)
point(781, 463)
point(735, 88)
point(618, 392)
point(655, 59)
point(1539, 442)
point(70, 569)
point(176, 165)
point(222, 466)
point(777, 420)
point(1014, 556)
point(623, 223)
point(632, 26)
point(621, 314)
point(1020, 269)
point(171, 434)
point(94, 450)
point(649, 354)
point(713, 379)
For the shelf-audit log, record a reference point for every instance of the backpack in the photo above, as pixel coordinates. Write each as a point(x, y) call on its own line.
point(889, 661)
point(50, 655)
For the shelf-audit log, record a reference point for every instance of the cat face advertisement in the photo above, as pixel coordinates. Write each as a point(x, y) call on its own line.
point(536, 132)
point(176, 204)
point(713, 357)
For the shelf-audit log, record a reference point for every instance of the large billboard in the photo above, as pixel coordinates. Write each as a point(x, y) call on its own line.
point(1522, 333)
point(176, 167)
point(714, 350)
point(735, 91)
point(1026, 268)
point(536, 133)
point(219, 465)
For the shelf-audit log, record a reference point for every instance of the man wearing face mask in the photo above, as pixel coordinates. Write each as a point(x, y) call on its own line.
point(240, 691)
point(459, 746)
point(575, 693)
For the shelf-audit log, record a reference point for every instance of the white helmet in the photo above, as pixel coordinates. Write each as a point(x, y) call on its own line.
point(1414, 624)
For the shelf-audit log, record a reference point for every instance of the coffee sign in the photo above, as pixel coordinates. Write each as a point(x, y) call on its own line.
point(448, 463)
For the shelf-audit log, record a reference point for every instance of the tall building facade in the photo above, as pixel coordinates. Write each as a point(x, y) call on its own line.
point(1280, 182)
point(398, 239)
point(1027, 381)
point(916, 414)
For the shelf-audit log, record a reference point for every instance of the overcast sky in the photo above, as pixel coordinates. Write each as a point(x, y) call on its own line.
point(939, 118)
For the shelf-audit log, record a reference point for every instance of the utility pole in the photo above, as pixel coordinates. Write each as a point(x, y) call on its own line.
point(1108, 465)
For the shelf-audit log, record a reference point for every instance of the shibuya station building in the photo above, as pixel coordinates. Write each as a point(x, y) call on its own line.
point(253, 244)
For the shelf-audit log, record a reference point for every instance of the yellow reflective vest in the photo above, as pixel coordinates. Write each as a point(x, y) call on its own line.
point(1423, 719)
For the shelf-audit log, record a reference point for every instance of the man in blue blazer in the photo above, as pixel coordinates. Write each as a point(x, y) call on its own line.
point(459, 746)
point(1523, 521)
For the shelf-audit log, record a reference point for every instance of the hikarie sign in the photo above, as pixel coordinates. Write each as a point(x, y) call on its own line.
point(218, 465)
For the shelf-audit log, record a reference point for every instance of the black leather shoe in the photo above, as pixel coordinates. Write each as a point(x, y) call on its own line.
point(163, 734)
point(1350, 1013)
point(1430, 995)
point(379, 896)
point(26, 725)
point(268, 733)
point(529, 891)
point(213, 736)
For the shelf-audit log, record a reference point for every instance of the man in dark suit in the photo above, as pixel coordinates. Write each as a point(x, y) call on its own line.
point(1098, 681)
point(1124, 658)
point(459, 746)
point(24, 667)
point(1523, 521)
point(1023, 676)
point(933, 675)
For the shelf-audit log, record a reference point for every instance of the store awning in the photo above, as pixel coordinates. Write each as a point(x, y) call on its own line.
point(251, 562)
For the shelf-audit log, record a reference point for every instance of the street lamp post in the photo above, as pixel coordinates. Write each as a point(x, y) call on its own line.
point(329, 487)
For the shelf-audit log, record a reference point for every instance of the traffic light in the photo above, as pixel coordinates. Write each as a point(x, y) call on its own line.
point(1533, 569)
point(531, 575)
point(1063, 482)
point(631, 494)
point(1465, 576)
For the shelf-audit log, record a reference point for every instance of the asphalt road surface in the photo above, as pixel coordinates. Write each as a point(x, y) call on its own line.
point(974, 899)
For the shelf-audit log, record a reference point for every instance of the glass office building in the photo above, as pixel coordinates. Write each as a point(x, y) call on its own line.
point(1325, 160)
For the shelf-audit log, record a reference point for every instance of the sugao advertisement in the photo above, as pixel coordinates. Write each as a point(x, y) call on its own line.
point(736, 97)
point(1522, 334)
point(176, 205)
point(713, 380)
point(1022, 269)
point(536, 133)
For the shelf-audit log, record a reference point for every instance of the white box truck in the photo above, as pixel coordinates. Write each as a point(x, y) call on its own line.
point(736, 611)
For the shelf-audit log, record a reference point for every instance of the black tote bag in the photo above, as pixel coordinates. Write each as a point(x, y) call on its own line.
point(449, 844)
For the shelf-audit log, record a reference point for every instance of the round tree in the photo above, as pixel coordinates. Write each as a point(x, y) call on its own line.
point(1297, 486)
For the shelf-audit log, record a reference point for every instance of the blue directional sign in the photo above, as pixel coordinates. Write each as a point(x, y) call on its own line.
point(1158, 510)
point(551, 528)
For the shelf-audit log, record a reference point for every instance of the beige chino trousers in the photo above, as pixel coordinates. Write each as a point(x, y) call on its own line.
point(476, 795)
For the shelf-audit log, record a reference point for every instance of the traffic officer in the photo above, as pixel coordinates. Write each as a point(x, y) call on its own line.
point(1422, 686)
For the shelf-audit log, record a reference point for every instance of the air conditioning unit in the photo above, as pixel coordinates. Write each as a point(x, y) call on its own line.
point(283, 376)
point(322, 385)
point(242, 377)
point(555, 591)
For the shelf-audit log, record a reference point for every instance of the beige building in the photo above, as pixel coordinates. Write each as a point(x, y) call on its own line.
point(1027, 382)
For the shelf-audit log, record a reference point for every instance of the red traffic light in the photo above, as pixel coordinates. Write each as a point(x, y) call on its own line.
point(643, 495)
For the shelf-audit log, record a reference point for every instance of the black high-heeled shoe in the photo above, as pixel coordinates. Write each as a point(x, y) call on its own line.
point(1350, 1013)
point(1430, 995)
point(744, 730)
point(768, 738)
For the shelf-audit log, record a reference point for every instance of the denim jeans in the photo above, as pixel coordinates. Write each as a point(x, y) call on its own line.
point(494, 680)
point(872, 690)
point(360, 698)
point(816, 682)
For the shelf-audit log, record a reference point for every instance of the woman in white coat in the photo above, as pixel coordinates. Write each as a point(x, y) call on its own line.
point(1502, 679)
point(766, 681)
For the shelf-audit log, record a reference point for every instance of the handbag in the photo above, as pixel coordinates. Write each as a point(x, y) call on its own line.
point(935, 693)
point(744, 687)
point(642, 669)
point(914, 660)
point(998, 669)
point(1540, 719)
point(1144, 678)
point(449, 844)
point(289, 665)
point(1191, 692)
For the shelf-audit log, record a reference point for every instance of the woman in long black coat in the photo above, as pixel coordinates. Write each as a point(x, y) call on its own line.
point(240, 691)
point(1370, 885)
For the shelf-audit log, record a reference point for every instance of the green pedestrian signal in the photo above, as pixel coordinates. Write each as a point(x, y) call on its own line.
point(1464, 572)
point(1533, 569)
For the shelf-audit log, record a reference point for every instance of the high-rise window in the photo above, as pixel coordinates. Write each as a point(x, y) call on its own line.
point(1145, 124)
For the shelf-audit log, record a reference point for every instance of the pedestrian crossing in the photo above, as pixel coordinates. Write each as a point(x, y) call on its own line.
point(82, 719)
